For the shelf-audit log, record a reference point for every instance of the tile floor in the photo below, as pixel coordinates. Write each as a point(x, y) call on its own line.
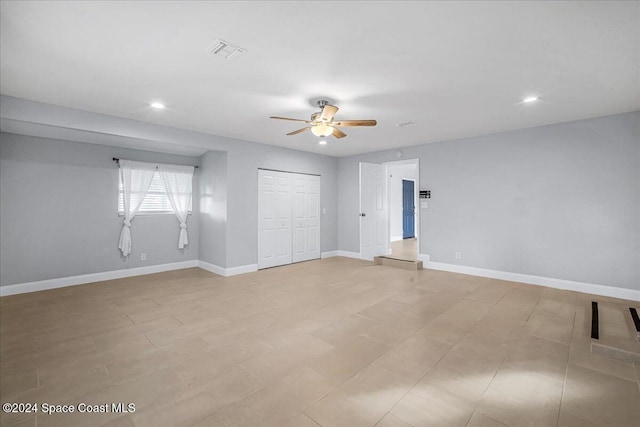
point(406, 249)
point(336, 342)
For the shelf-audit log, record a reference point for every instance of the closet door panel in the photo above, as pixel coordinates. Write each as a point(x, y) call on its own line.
point(274, 218)
point(299, 216)
point(307, 218)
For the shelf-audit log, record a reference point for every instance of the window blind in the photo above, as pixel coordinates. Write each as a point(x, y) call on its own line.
point(155, 202)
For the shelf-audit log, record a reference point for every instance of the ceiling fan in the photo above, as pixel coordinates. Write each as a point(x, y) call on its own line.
point(322, 123)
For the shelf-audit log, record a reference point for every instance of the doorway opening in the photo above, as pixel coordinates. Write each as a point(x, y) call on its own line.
point(389, 218)
point(403, 192)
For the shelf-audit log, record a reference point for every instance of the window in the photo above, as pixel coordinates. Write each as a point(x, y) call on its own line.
point(155, 202)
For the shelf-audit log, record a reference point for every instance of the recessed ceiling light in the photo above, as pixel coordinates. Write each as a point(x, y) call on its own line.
point(322, 142)
point(157, 105)
point(530, 99)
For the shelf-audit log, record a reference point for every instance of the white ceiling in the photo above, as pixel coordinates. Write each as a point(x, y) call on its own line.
point(456, 69)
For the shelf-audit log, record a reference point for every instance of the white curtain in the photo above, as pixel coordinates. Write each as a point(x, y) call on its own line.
point(136, 178)
point(178, 181)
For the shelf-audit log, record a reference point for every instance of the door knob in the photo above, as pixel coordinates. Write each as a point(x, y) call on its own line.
point(363, 214)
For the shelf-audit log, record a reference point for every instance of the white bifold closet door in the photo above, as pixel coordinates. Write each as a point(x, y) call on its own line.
point(288, 218)
point(306, 217)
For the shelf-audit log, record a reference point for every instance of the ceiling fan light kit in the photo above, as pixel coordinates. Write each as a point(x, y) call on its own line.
point(322, 130)
point(322, 123)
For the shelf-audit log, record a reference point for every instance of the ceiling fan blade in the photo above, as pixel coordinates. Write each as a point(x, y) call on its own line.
point(338, 133)
point(328, 112)
point(287, 118)
point(295, 132)
point(356, 123)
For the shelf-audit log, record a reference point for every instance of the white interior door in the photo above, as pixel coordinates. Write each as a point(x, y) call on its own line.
point(306, 217)
point(274, 218)
point(373, 211)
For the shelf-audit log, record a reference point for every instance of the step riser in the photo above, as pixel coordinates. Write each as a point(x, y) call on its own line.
point(396, 263)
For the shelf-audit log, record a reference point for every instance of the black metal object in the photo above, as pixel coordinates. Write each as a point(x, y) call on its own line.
point(595, 330)
point(636, 319)
point(425, 194)
point(115, 159)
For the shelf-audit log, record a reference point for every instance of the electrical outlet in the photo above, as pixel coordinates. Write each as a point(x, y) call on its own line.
point(458, 255)
point(143, 256)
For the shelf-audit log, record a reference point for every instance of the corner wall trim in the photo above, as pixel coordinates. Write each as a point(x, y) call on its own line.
point(212, 268)
point(349, 254)
point(61, 282)
point(569, 285)
point(424, 258)
point(241, 269)
point(329, 254)
point(226, 272)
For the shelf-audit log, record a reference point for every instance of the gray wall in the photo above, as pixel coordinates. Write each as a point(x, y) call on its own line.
point(560, 201)
point(213, 208)
point(241, 161)
point(243, 158)
point(59, 216)
point(243, 164)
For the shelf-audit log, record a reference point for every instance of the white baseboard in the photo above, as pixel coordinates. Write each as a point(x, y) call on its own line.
point(396, 238)
point(226, 272)
point(329, 254)
point(241, 269)
point(212, 268)
point(43, 285)
point(588, 288)
point(349, 254)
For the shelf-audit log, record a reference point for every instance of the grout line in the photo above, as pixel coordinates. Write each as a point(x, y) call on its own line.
point(106, 368)
point(308, 417)
point(566, 371)
point(501, 363)
point(93, 341)
point(150, 342)
point(131, 320)
point(636, 369)
point(486, 416)
point(410, 388)
point(181, 322)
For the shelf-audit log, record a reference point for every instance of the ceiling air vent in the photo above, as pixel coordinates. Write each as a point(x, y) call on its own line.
point(405, 124)
point(225, 50)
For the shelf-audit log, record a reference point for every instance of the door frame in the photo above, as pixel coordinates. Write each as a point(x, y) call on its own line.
point(416, 190)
